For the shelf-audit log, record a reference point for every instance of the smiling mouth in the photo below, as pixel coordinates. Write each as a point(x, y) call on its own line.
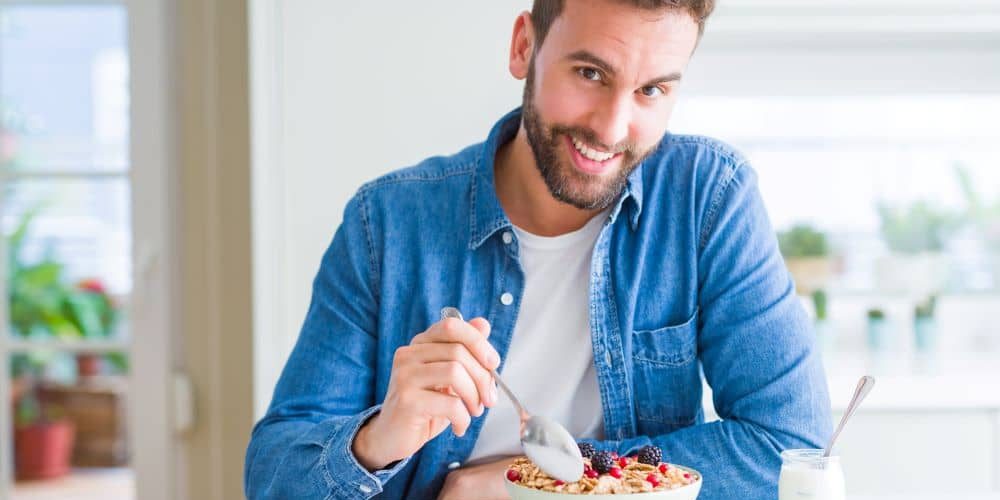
point(591, 153)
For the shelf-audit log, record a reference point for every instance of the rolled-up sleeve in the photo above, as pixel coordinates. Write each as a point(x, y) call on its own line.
point(302, 446)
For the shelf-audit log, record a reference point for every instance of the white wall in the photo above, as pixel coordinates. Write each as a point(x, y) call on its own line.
point(360, 89)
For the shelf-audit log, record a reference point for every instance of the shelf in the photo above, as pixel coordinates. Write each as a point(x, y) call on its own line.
point(909, 382)
point(75, 346)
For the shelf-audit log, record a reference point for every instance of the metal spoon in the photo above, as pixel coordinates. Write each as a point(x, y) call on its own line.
point(545, 441)
point(864, 387)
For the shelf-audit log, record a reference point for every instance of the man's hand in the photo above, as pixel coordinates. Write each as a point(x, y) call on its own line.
point(482, 482)
point(442, 378)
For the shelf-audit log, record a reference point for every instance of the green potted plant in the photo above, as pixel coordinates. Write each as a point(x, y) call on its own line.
point(916, 236)
point(878, 330)
point(43, 437)
point(924, 324)
point(807, 255)
point(42, 304)
point(94, 313)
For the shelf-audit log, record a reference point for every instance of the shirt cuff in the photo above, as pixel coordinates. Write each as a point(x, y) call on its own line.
point(353, 480)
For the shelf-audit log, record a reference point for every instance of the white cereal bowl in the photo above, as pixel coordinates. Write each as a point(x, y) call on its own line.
point(689, 492)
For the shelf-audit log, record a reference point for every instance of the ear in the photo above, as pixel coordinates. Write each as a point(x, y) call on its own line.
point(522, 45)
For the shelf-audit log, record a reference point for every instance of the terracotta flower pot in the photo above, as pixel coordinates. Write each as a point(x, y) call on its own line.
point(88, 365)
point(42, 451)
point(811, 273)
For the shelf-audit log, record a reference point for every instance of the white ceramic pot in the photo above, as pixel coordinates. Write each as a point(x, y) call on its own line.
point(689, 492)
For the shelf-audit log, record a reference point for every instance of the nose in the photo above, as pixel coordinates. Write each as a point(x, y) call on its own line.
point(611, 122)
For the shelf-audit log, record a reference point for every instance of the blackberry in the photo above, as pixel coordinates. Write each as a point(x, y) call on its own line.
point(650, 455)
point(602, 462)
point(587, 450)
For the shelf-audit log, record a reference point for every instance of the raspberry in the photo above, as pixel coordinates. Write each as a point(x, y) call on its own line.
point(602, 462)
point(663, 468)
point(513, 475)
point(650, 455)
point(653, 480)
point(616, 472)
point(591, 473)
point(623, 462)
point(587, 450)
point(559, 482)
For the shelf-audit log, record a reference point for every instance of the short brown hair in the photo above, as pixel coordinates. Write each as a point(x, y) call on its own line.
point(544, 12)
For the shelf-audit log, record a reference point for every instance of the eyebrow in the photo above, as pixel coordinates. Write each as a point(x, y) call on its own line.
point(589, 57)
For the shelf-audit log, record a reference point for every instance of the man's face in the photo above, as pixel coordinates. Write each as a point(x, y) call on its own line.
point(599, 92)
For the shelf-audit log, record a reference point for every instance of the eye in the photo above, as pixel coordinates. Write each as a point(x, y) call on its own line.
point(652, 91)
point(590, 74)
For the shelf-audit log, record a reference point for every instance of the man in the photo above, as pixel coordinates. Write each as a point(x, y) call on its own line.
point(610, 264)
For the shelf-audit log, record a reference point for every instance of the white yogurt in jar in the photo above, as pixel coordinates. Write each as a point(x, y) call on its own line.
point(807, 475)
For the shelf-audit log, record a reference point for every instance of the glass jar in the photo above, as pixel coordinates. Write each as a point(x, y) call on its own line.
point(808, 475)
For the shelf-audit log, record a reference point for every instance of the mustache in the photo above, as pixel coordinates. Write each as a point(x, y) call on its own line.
point(588, 136)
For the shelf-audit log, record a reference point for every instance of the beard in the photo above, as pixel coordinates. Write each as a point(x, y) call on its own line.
point(565, 182)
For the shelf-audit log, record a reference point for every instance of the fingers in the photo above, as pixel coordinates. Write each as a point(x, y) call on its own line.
point(449, 374)
point(435, 404)
point(472, 337)
point(482, 325)
point(485, 391)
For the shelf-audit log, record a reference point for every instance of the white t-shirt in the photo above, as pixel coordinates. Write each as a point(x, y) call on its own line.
point(550, 364)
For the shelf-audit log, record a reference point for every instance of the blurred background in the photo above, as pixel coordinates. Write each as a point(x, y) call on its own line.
point(171, 172)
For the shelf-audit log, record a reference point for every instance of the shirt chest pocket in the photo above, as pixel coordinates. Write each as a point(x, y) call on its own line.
point(667, 378)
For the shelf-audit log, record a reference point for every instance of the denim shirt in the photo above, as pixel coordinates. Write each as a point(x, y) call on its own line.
point(686, 281)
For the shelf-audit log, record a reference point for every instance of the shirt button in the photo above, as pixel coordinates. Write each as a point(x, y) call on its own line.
point(454, 465)
point(365, 488)
point(506, 299)
point(507, 237)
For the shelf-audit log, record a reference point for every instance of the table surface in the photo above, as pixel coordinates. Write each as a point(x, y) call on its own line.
point(938, 496)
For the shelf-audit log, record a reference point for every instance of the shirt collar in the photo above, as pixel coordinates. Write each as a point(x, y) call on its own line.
point(487, 215)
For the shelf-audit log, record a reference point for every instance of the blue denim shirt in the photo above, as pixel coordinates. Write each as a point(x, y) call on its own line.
point(686, 278)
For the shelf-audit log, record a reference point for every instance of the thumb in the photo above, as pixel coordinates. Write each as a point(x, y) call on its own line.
point(482, 325)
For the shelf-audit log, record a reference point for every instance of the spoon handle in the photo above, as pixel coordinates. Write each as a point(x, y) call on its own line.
point(506, 390)
point(451, 312)
point(864, 387)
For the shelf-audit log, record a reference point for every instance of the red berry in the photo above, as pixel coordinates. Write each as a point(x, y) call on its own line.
point(591, 473)
point(653, 480)
point(687, 476)
point(559, 482)
point(663, 468)
point(616, 472)
point(513, 475)
point(623, 461)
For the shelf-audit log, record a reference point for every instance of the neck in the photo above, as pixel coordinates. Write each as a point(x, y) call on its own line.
point(524, 196)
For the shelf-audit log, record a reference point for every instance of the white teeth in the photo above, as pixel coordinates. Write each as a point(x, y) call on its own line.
point(591, 154)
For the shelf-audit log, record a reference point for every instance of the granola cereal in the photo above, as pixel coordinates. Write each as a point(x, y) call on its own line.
point(628, 475)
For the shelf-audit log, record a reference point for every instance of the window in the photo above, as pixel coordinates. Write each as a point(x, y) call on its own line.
point(829, 161)
point(65, 201)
